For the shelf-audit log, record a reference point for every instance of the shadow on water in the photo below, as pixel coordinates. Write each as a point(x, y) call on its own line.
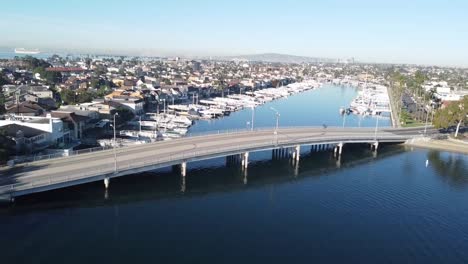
point(207, 180)
point(452, 169)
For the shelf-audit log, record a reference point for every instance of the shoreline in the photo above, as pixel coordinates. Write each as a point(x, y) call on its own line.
point(439, 144)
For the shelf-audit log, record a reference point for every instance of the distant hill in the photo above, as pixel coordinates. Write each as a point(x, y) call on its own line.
point(275, 57)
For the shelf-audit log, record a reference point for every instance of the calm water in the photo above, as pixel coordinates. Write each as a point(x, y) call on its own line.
point(311, 108)
point(10, 55)
point(388, 208)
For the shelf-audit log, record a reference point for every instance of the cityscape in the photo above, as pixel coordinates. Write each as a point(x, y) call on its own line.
point(156, 154)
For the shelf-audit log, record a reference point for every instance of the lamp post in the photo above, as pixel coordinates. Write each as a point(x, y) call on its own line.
point(425, 125)
point(376, 126)
point(253, 117)
point(344, 119)
point(113, 145)
point(140, 128)
point(164, 105)
point(277, 124)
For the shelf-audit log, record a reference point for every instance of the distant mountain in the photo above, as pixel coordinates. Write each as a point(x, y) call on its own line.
point(275, 57)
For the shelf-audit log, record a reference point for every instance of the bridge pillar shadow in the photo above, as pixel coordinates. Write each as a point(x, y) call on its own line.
point(281, 153)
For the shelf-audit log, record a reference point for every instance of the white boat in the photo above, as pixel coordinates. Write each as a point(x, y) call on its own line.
point(25, 51)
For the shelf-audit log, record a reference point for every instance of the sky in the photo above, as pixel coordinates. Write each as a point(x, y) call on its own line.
point(396, 31)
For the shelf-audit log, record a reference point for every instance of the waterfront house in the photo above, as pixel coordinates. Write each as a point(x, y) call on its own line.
point(73, 122)
point(54, 128)
point(28, 139)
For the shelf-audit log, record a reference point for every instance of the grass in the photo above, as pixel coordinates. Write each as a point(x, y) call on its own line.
point(413, 123)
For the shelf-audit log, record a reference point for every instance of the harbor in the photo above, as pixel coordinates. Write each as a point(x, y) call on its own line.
point(176, 120)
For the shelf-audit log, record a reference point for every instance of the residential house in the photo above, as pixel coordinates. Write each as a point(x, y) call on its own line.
point(28, 139)
point(134, 101)
point(73, 122)
point(56, 133)
point(25, 109)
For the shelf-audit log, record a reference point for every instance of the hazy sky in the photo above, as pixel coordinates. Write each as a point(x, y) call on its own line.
point(411, 31)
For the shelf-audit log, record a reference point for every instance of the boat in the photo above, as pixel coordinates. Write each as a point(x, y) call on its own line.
point(25, 51)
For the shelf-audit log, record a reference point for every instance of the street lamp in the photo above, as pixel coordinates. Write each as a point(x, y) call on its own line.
point(376, 125)
point(277, 124)
point(253, 116)
point(427, 118)
point(344, 119)
point(115, 143)
point(164, 105)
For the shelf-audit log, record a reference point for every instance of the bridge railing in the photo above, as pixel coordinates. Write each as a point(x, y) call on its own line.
point(188, 135)
point(129, 165)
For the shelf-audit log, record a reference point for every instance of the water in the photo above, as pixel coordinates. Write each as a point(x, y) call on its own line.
point(12, 55)
point(311, 108)
point(385, 209)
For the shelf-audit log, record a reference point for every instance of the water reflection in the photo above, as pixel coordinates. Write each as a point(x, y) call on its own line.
point(452, 168)
point(164, 184)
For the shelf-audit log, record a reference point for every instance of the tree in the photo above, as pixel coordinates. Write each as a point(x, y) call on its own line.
point(77, 97)
point(7, 147)
point(2, 104)
point(455, 114)
point(124, 115)
point(102, 91)
point(50, 77)
point(3, 80)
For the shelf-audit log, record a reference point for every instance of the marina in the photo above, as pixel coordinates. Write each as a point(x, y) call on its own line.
point(175, 120)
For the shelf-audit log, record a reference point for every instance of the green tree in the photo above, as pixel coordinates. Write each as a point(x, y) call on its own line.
point(50, 77)
point(455, 114)
point(2, 104)
point(102, 91)
point(77, 97)
point(3, 79)
point(7, 147)
point(124, 115)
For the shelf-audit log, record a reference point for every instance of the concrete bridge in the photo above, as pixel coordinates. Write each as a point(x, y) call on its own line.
point(64, 172)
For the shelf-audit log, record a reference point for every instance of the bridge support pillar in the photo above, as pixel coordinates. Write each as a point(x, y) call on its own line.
point(296, 153)
point(375, 146)
point(340, 148)
point(183, 169)
point(106, 182)
point(245, 160)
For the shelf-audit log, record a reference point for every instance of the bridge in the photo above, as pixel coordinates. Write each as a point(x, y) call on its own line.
point(64, 172)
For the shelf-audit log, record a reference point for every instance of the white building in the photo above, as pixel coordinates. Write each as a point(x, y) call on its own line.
point(53, 126)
